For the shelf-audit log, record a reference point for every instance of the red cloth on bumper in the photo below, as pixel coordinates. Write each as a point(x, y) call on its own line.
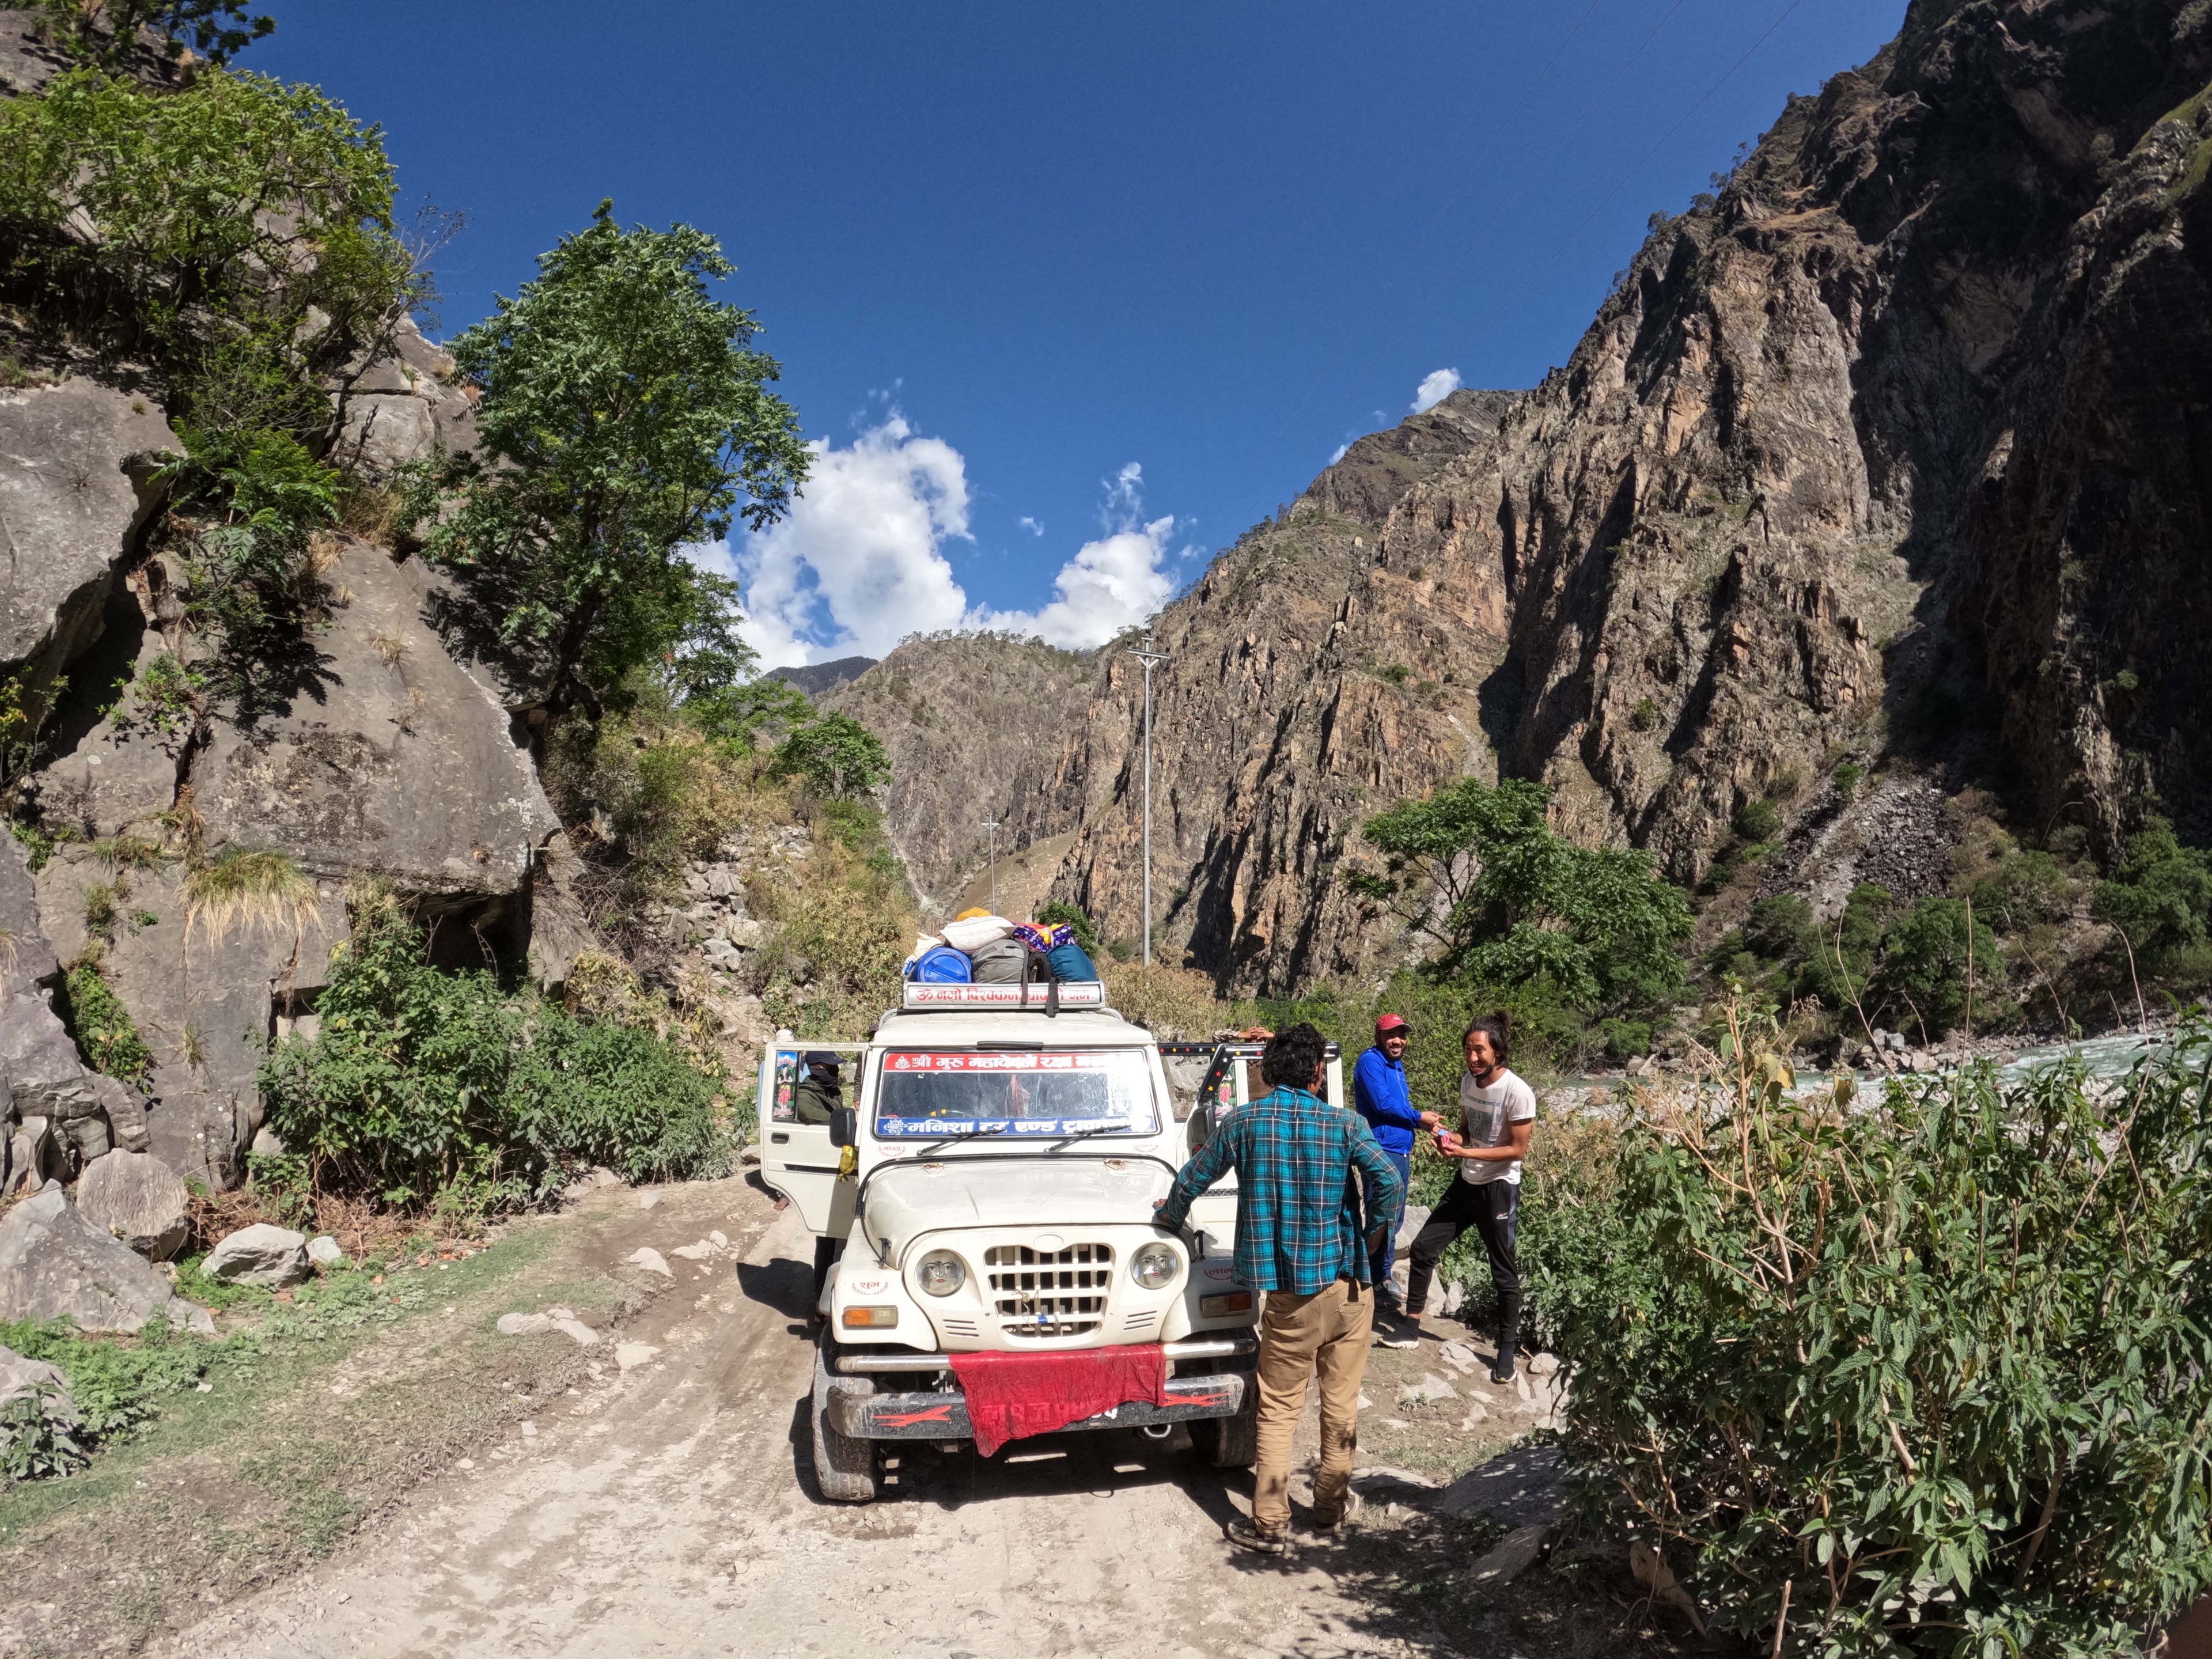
point(1011, 1395)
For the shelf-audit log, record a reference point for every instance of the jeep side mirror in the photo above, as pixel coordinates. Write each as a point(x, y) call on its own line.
point(844, 1128)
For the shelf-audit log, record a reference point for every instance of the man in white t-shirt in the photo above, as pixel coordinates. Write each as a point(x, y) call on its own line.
point(1498, 1112)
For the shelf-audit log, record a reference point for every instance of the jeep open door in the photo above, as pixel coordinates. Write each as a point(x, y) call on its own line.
point(798, 1159)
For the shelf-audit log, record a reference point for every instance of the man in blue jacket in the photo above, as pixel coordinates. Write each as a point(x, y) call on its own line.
point(1378, 1089)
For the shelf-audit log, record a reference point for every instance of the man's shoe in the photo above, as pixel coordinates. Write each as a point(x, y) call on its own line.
point(1501, 1369)
point(1329, 1522)
point(1246, 1536)
point(1397, 1332)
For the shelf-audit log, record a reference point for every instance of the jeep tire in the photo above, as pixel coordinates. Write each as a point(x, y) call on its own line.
point(1231, 1443)
point(844, 1467)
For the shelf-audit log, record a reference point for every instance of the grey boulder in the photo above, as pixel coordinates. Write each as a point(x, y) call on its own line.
point(55, 1264)
point(270, 1256)
point(325, 1251)
point(137, 1198)
point(21, 1375)
point(77, 462)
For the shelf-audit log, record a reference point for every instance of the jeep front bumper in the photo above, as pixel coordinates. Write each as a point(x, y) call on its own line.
point(945, 1416)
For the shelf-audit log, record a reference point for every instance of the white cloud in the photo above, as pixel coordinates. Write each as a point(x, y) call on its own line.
point(859, 563)
point(1436, 386)
point(1031, 524)
point(1337, 454)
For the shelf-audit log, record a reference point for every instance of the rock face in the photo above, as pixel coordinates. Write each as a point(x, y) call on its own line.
point(963, 718)
point(55, 1264)
point(137, 1198)
point(403, 408)
point(1885, 451)
point(819, 679)
point(76, 468)
point(270, 1256)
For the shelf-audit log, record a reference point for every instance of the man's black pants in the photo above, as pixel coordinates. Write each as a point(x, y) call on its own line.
point(1492, 1209)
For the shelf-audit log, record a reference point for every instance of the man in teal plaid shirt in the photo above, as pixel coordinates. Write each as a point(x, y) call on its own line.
point(1300, 1238)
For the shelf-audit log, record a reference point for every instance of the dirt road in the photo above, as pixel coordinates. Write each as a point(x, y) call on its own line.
point(668, 1510)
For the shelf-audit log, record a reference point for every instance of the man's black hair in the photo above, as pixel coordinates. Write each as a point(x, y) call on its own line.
point(1495, 1027)
point(1293, 1056)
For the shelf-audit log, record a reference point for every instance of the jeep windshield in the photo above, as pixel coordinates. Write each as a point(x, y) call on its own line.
point(1032, 1095)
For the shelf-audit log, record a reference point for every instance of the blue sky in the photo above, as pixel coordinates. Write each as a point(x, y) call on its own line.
point(1070, 295)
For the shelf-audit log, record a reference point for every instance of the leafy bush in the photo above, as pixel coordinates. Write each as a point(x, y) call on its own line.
point(1646, 715)
point(1625, 1039)
point(1758, 821)
point(243, 311)
point(1846, 778)
point(420, 1079)
point(1840, 964)
point(38, 1435)
point(102, 1026)
point(1511, 903)
point(117, 1382)
point(1940, 1368)
point(666, 794)
point(833, 756)
point(2160, 896)
point(1925, 979)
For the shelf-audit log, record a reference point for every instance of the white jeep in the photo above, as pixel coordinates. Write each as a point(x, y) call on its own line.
point(1007, 1157)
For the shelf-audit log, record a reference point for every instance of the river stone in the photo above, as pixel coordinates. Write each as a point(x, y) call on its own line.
point(138, 1199)
point(526, 1324)
point(270, 1256)
point(55, 1264)
point(325, 1251)
point(77, 465)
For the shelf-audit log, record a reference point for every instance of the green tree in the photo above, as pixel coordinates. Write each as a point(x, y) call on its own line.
point(1840, 963)
point(2160, 895)
point(1926, 955)
point(245, 245)
point(625, 415)
point(834, 755)
point(1509, 902)
point(108, 31)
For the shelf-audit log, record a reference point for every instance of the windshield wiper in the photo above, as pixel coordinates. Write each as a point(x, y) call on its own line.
point(966, 1134)
point(1121, 1128)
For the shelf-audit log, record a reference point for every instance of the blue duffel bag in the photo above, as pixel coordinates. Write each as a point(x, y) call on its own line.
point(1068, 961)
point(940, 965)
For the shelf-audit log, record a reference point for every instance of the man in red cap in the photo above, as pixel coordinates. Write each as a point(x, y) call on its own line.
point(1380, 1091)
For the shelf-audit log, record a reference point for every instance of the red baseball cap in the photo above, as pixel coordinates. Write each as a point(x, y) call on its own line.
point(1389, 1022)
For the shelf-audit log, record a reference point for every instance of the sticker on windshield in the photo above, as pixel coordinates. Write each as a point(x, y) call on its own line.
point(924, 1094)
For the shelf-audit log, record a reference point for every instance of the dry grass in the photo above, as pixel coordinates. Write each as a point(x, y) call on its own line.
point(251, 889)
point(389, 646)
point(1176, 1003)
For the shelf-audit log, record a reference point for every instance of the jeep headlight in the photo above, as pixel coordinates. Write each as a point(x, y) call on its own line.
point(941, 1272)
point(1155, 1266)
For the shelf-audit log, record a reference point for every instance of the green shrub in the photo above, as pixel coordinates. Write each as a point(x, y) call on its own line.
point(38, 1435)
point(1776, 926)
point(1758, 821)
point(1086, 935)
point(420, 1079)
point(1923, 982)
point(117, 1381)
point(1646, 715)
point(2027, 887)
point(833, 756)
point(1843, 953)
point(2160, 896)
point(1940, 1368)
point(102, 1026)
point(1846, 779)
point(1625, 1039)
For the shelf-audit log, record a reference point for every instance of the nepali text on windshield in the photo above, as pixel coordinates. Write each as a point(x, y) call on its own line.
point(922, 1095)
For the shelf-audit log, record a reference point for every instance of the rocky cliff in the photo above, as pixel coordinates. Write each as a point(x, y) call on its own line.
point(963, 718)
point(1890, 450)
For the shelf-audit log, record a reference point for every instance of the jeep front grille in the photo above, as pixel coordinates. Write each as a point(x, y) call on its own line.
point(1048, 1293)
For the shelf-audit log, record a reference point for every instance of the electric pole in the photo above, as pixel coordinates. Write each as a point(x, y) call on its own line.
point(1148, 654)
point(992, 824)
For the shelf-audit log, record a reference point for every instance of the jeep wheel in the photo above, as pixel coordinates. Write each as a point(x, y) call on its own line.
point(1231, 1443)
point(844, 1467)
